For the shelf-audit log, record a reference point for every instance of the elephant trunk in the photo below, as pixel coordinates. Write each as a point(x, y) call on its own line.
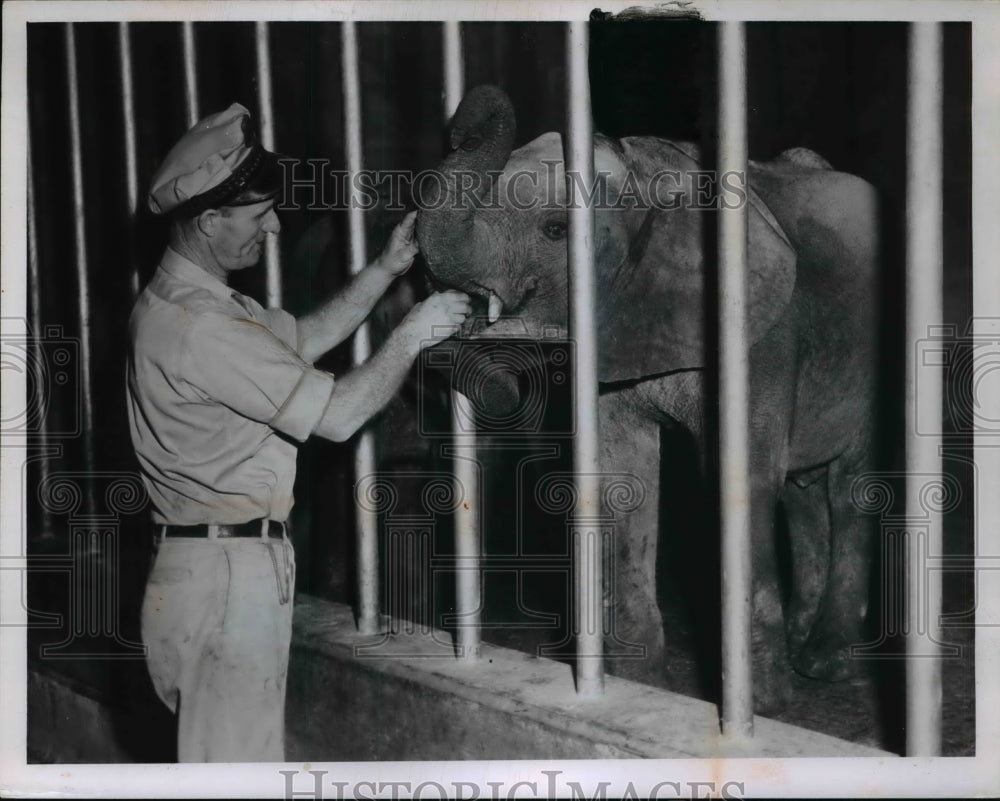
point(491, 387)
point(481, 139)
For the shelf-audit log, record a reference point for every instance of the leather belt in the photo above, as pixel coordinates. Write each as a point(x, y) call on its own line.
point(252, 528)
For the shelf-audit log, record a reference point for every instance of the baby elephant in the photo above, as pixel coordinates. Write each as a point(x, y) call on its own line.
point(811, 293)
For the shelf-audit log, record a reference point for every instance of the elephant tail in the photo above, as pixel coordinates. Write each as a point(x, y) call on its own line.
point(804, 157)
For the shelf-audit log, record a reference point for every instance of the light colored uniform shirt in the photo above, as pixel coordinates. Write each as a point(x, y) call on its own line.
point(217, 397)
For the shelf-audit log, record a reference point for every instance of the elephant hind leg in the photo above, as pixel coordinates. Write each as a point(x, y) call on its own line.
point(807, 512)
point(840, 620)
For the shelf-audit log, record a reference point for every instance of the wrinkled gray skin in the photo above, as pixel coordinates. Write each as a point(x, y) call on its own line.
point(812, 251)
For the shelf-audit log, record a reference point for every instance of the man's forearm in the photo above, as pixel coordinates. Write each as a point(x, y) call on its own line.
point(365, 391)
point(337, 319)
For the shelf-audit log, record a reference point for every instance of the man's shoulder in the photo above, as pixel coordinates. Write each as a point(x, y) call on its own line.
point(167, 311)
point(166, 297)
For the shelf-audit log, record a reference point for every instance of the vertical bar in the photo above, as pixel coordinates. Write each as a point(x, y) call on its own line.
point(454, 68)
point(35, 311)
point(131, 163)
point(588, 549)
point(190, 72)
point(35, 318)
point(734, 462)
point(364, 459)
point(924, 279)
point(80, 242)
point(265, 103)
point(468, 540)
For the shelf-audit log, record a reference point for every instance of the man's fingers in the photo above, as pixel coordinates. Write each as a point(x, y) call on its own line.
point(456, 295)
point(405, 228)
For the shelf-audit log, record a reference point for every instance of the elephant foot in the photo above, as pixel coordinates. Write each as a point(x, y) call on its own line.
point(772, 689)
point(637, 670)
point(640, 659)
point(797, 629)
point(826, 658)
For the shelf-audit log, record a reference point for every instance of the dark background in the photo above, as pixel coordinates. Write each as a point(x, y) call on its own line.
point(838, 88)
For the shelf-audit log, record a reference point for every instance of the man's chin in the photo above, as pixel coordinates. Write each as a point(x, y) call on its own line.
point(252, 259)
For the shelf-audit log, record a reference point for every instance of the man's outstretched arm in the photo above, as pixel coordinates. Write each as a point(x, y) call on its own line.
point(338, 318)
point(363, 392)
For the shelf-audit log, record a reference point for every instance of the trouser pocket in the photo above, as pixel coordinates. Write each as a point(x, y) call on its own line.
point(183, 605)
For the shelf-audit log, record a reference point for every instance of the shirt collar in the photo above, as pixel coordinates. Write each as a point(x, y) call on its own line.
point(185, 270)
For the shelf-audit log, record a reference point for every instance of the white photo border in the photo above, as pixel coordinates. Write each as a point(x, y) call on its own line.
point(897, 776)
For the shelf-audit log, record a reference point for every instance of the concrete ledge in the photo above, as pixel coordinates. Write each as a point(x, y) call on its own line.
point(353, 697)
point(70, 723)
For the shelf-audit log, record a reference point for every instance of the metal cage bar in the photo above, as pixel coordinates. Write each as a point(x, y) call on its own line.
point(128, 115)
point(924, 280)
point(588, 545)
point(368, 613)
point(190, 72)
point(265, 105)
point(734, 440)
point(80, 243)
point(35, 320)
point(468, 536)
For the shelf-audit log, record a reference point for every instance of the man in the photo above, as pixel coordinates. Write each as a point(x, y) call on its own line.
point(220, 391)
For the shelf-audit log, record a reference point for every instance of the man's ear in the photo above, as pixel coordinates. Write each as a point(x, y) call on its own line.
point(208, 221)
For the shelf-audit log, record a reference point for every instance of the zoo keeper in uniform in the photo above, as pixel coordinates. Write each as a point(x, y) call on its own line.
point(220, 391)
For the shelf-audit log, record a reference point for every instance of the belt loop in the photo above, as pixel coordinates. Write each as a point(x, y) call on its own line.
point(163, 532)
point(265, 525)
point(213, 531)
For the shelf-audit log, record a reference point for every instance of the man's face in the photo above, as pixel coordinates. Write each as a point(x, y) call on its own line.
point(239, 241)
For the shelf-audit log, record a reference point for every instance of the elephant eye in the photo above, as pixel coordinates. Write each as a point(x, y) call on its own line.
point(554, 229)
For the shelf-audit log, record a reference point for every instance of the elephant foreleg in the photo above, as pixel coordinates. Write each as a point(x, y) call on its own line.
point(772, 402)
point(840, 620)
point(630, 446)
point(768, 643)
point(807, 512)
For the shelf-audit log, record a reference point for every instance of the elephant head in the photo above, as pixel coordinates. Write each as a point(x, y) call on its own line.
point(495, 225)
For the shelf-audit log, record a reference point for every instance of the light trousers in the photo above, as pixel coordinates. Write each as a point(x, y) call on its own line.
point(217, 623)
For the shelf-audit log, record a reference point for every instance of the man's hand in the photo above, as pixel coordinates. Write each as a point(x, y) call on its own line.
point(365, 390)
point(402, 247)
point(435, 319)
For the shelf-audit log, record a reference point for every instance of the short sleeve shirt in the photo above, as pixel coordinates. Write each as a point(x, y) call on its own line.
point(218, 398)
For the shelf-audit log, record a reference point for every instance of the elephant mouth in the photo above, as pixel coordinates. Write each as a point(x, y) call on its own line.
point(487, 307)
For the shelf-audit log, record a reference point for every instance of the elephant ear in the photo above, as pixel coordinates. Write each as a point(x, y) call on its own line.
point(651, 268)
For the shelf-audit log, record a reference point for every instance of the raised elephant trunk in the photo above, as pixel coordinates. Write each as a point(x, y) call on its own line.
point(481, 139)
